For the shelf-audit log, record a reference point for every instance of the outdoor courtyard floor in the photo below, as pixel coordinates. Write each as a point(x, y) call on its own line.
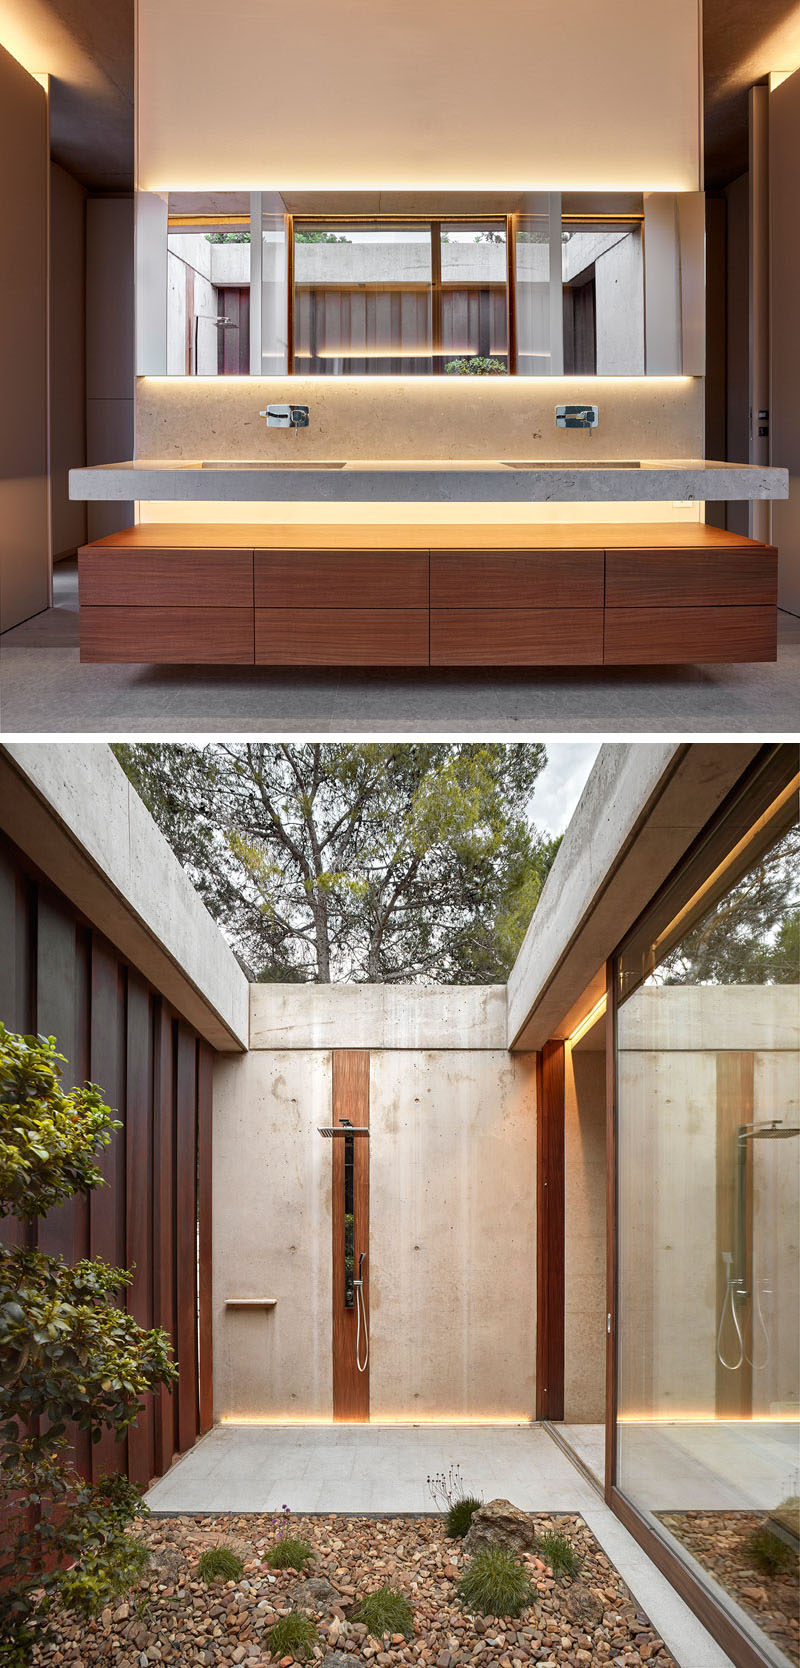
point(381, 1470)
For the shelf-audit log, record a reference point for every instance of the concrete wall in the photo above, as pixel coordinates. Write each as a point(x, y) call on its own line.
point(24, 497)
point(584, 1236)
point(376, 109)
point(452, 1251)
point(67, 356)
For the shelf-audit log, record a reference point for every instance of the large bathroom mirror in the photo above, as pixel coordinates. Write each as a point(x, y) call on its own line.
point(448, 284)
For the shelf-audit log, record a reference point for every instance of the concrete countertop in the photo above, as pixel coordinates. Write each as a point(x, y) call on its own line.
point(426, 480)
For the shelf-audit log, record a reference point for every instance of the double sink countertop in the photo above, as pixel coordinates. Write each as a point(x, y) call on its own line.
point(383, 480)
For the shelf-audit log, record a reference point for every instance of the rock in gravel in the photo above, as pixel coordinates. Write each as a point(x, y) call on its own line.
point(580, 1604)
point(340, 1659)
point(315, 1594)
point(498, 1523)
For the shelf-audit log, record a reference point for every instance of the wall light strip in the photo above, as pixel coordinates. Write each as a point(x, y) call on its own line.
point(587, 1022)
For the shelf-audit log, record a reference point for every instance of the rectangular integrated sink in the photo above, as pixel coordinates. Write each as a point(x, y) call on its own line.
point(564, 463)
point(286, 463)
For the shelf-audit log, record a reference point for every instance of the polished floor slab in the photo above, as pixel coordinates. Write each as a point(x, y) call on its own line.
point(45, 690)
point(383, 1469)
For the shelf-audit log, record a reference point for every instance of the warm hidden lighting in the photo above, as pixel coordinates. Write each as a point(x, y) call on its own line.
point(587, 1022)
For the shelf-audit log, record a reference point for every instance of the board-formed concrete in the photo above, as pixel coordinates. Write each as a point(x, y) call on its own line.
point(73, 811)
point(378, 1016)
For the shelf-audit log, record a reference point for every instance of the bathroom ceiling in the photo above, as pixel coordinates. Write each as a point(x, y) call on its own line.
point(87, 46)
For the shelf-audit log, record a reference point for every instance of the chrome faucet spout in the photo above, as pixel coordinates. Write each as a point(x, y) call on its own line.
point(286, 417)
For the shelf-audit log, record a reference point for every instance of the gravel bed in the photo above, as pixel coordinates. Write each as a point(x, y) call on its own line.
point(173, 1618)
point(719, 1542)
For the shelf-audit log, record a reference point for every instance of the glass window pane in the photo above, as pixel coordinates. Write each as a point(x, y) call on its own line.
point(708, 1101)
point(363, 298)
point(474, 265)
point(537, 266)
point(208, 295)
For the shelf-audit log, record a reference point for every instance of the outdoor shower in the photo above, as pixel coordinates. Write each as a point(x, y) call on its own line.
point(353, 1287)
point(737, 1291)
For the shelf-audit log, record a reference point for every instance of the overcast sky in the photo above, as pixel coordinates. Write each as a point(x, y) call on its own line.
point(561, 783)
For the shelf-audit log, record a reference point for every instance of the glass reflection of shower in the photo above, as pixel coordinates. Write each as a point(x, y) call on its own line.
point(740, 1290)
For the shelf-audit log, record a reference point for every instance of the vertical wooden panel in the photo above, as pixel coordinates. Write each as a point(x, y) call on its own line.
point(735, 1080)
point(186, 1234)
point(611, 1230)
point(350, 1099)
point(107, 1204)
point(139, 1203)
point(205, 1069)
point(550, 1235)
point(163, 1234)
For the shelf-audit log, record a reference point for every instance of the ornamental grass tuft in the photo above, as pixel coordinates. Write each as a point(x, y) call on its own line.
point(496, 1583)
point(460, 1515)
point(385, 1611)
point(294, 1635)
point(220, 1563)
point(560, 1553)
point(769, 1553)
point(289, 1554)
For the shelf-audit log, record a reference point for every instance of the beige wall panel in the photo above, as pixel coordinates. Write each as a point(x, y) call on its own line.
point(584, 1237)
point(67, 350)
point(272, 1236)
point(405, 91)
point(452, 1235)
point(776, 1236)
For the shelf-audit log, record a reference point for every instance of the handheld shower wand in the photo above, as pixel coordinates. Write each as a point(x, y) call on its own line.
point(361, 1315)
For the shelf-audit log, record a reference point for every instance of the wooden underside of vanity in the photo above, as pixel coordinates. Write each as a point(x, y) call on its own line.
point(333, 595)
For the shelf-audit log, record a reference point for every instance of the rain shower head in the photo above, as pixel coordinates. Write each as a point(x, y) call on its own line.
point(327, 1131)
point(775, 1129)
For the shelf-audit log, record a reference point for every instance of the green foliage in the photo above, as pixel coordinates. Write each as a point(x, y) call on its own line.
point(220, 1563)
point(294, 1635)
point(49, 1139)
point(289, 1554)
point(69, 1355)
point(227, 237)
point(460, 1515)
point(301, 236)
point(496, 1583)
point(385, 1611)
point(560, 1553)
point(751, 935)
point(769, 1553)
point(475, 366)
point(366, 861)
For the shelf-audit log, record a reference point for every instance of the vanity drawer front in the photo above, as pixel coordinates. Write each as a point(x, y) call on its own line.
point(341, 636)
point(518, 578)
point(170, 636)
point(165, 578)
point(516, 636)
point(692, 578)
point(676, 636)
point(341, 578)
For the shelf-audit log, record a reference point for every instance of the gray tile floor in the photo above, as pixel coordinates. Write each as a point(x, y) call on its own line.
point(382, 1468)
point(44, 689)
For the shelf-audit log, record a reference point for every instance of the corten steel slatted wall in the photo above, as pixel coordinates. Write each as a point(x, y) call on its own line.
point(60, 977)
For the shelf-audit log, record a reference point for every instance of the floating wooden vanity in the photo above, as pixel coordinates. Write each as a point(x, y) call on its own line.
point(497, 595)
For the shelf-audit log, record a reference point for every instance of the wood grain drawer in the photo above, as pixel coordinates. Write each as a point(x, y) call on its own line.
point(676, 636)
point(341, 578)
point(165, 578)
point(517, 578)
point(179, 636)
point(516, 636)
point(341, 637)
point(692, 578)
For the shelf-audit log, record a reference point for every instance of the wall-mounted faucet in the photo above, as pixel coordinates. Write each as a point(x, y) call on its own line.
point(576, 416)
point(286, 417)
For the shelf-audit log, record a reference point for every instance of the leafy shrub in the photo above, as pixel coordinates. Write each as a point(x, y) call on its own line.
point(476, 366)
point(560, 1553)
point(385, 1611)
point(460, 1515)
point(68, 1353)
point(220, 1563)
point(294, 1635)
point(289, 1554)
point(769, 1553)
point(496, 1583)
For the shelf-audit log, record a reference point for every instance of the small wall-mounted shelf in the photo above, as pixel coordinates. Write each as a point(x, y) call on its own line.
point(250, 1302)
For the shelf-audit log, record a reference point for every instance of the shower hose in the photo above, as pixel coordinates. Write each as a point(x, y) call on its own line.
point(361, 1324)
